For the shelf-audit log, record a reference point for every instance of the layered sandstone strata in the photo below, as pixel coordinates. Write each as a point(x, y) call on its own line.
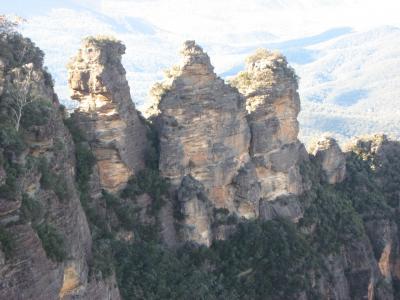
point(270, 86)
point(331, 159)
point(202, 127)
point(106, 112)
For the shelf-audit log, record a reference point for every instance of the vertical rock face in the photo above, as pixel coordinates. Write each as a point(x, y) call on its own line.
point(331, 158)
point(106, 112)
point(243, 159)
point(41, 212)
point(202, 127)
point(196, 209)
point(272, 101)
point(203, 136)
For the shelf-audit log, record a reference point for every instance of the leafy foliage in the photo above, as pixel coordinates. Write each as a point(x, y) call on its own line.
point(11, 144)
point(51, 181)
point(19, 51)
point(36, 113)
point(147, 181)
point(31, 209)
point(6, 242)
point(52, 241)
point(262, 260)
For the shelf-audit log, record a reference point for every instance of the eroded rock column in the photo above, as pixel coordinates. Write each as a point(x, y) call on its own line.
point(202, 127)
point(106, 112)
point(270, 86)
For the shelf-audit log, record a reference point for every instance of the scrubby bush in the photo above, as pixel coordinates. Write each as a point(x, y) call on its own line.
point(9, 189)
point(61, 188)
point(10, 140)
point(18, 50)
point(102, 262)
point(7, 242)
point(36, 113)
point(150, 182)
point(262, 260)
point(31, 209)
point(52, 242)
point(334, 217)
point(46, 178)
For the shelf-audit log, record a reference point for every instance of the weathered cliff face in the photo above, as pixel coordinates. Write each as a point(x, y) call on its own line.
point(106, 113)
point(45, 243)
point(269, 86)
point(331, 158)
point(224, 164)
point(203, 130)
point(381, 224)
point(366, 267)
point(244, 159)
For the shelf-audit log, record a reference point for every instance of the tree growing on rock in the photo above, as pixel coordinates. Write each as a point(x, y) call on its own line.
point(9, 25)
point(19, 92)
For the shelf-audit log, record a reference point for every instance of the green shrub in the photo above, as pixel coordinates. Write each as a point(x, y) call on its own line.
point(85, 161)
point(150, 182)
point(61, 188)
point(7, 242)
point(31, 209)
point(10, 139)
point(77, 134)
point(36, 113)
point(335, 219)
point(52, 242)
point(102, 262)
point(19, 51)
point(47, 179)
point(364, 189)
point(262, 260)
point(9, 189)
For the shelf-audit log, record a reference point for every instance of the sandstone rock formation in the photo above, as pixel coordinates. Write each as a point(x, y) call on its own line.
point(239, 156)
point(106, 112)
point(202, 127)
point(39, 202)
point(196, 209)
point(269, 86)
point(331, 158)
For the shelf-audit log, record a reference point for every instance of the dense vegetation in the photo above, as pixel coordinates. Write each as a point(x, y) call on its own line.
point(262, 260)
point(272, 259)
point(52, 241)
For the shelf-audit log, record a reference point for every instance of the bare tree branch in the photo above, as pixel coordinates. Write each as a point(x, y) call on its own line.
point(19, 92)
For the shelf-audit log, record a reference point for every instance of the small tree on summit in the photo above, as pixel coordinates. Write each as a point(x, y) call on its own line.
point(8, 25)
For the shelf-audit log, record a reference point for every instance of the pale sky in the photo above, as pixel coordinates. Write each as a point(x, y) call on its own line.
point(338, 47)
point(213, 18)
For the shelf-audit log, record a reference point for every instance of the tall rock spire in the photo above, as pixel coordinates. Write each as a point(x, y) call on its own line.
point(106, 112)
point(203, 135)
point(202, 124)
point(272, 101)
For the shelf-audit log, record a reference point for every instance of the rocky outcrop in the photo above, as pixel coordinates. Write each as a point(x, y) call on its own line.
point(196, 210)
point(244, 159)
point(331, 159)
point(40, 210)
point(270, 86)
point(203, 135)
point(106, 113)
point(202, 127)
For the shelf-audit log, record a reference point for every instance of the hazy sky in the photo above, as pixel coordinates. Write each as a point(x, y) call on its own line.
point(211, 18)
point(154, 29)
point(342, 49)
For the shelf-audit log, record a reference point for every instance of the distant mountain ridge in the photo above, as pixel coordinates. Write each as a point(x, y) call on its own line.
point(348, 79)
